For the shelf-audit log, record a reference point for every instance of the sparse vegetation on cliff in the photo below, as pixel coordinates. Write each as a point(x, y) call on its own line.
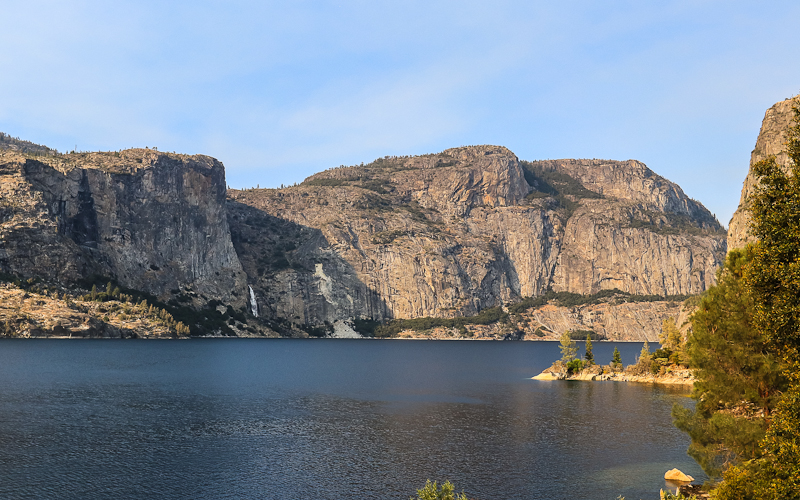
point(570, 299)
point(30, 308)
point(485, 317)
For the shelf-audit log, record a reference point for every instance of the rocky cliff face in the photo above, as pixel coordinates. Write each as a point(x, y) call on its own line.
point(627, 322)
point(453, 233)
point(771, 142)
point(154, 221)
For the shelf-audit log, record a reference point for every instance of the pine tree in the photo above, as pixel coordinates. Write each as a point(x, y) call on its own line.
point(773, 281)
point(645, 352)
point(589, 356)
point(616, 359)
point(736, 374)
point(568, 348)
point(670, 334)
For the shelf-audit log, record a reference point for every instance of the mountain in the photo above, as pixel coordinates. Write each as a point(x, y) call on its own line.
point(447, 240)
point(458, 232)
point(771, 142)
point(154, 224)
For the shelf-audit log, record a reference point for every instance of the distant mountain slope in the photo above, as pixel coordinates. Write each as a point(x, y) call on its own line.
point(16, 144)
point(453, 233)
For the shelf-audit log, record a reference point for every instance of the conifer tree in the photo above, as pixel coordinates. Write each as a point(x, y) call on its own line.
point(568, 348)
point(773, 281)
point(645, 352)
point(589, 355)
point(616, 359)
point(670, 337)
point(736, 374)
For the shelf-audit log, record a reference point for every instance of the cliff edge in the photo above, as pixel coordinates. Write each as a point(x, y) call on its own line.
point(771, 142)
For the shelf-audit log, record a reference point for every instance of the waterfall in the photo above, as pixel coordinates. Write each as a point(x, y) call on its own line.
point(253, 303)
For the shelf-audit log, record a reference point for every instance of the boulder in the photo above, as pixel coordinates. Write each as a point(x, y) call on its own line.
point(676, 475)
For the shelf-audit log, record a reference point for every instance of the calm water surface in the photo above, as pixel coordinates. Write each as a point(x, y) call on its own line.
point(324, 419)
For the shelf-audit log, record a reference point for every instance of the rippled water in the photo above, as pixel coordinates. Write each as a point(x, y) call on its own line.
point(323, 419)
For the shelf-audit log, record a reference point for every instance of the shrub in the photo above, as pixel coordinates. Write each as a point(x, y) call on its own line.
point(432, 492)
point(575, 366)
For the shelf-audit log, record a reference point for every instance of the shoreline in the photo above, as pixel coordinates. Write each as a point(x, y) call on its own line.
point(679, 377)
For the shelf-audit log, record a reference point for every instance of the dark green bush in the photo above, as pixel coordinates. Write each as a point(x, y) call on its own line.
point(575, 366)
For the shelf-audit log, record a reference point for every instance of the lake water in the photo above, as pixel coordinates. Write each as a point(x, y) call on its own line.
point(324, 419)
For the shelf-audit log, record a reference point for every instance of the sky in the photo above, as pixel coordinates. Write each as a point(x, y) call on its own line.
point(279, 90)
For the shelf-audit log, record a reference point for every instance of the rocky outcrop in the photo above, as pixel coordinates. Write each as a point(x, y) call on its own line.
point(153, 221)
point(630, 321)
point(627, 322)
point(771, 142)
point(27, 313)
point(676, 376)
point(453, 233)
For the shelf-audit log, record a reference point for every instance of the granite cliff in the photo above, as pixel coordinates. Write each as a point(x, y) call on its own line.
point(771, 142)
point(151, 221)
point(455, 233)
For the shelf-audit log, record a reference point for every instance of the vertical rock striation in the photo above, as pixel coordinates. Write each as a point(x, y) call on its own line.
point(771, 142)
point(154, 221)
point(452, 233)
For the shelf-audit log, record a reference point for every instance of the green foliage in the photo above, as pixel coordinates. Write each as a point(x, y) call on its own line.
point(568, 348)
point(204, 321)
point(739, 380)
point(554, 183)
point(668, 495)
point(433, 492)
point(665, 223)
point(672, 342)
point(575, 366)
point(583, 334)
point(589, 355)
point(670, 337)
point(569, 299)
point(774, 276)
point(773, 282)
point(644, 363)
point(485, 317)
point(387, 237)
point(777, 473)
point(366, 327)
point(557, 185)
point(616, 359)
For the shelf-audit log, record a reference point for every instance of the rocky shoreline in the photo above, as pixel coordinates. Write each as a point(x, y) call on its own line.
point(677, 376)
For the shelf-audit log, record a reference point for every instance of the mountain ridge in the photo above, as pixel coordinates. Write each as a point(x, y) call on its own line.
point(447, 234)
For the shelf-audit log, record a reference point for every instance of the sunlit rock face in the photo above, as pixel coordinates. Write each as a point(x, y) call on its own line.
point(771, 142)
point(153, 221)
point(452, 233)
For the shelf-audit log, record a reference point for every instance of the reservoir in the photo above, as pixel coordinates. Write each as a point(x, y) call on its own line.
point(325, 419)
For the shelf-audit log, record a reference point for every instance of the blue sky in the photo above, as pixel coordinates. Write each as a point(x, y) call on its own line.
point(280, 90)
